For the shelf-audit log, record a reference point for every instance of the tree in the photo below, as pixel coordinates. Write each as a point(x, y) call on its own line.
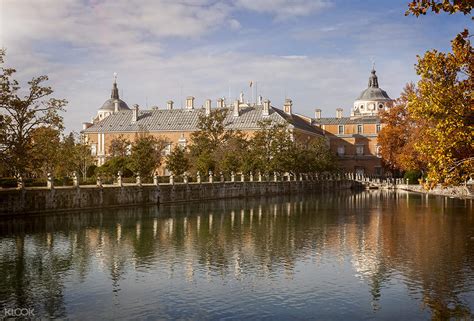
point(445, 101)
point(147, 154)
point(400, 133)
point(44, 150)
point(209, 142)
point(22, 115)
point(119, 146)
point(177, 161)
point(421, 7)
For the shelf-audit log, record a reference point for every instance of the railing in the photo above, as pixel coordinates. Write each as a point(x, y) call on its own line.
point(210, 177)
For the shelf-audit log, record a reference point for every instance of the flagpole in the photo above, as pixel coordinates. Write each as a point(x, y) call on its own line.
point(251, 89)
point(256, 93)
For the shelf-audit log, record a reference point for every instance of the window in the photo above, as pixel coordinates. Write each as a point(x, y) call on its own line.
point(93, 149)
point(341, 150)
point(360, 150)
point(378, 127)
point(341, 129)
point(378, 170)
point(380, 106)
point(182, 143)
point(167, 150)
point(359, 129)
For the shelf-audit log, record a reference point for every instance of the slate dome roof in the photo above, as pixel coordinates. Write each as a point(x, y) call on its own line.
point(373, 92)
point(110, 103)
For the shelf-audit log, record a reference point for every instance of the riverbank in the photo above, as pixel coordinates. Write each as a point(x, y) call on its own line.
point(42, 200)
point(453, 191)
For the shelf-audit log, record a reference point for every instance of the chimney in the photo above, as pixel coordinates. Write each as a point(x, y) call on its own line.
point(266, 108)
point(317, 113)
point(236, 108)
point(208, 107)
point(134, 113)
point(288, 106)
point(169, 104)
point(339, 113)
point(220, 103)
point(86, 125)
point(116, 105)
point(190, 102)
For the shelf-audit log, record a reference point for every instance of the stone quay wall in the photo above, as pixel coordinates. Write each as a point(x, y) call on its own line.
point(42, 200)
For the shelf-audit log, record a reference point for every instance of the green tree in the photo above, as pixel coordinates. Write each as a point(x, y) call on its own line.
point(209, 141)
point(177, 161)
point(119, 146)
point(22, 115)
point(44, 151)
point(146, 154)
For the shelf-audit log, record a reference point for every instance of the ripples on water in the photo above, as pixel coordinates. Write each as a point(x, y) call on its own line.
point(370, 255)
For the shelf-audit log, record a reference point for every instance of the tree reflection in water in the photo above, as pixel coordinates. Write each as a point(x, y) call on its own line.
point(423, 244)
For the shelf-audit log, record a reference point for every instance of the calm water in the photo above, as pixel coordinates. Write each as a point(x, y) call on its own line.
point(370, 255)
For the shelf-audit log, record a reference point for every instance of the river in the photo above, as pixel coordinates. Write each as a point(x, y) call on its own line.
point(342, 256)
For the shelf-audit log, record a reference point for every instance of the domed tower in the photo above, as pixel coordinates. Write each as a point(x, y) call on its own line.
point(372, 100)
point(112, 105)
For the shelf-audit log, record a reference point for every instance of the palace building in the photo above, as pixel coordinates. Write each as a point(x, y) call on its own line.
point(354, 138)
point(115, 119)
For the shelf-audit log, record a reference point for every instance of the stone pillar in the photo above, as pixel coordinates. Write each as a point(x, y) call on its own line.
point(301, 177)
point(50, 181)
point(75, 179)
point(211, 177)
point(259, 176)
point(275, 176)
point(222, 177)
point(171, 179)
point(185, 178)
point(99, 181)
point(155, 179)
point(242, 177)
point(232, 176)
point(119, 179)
point(198, 177)
point(19, 182)
point(139, 180)
point(251, 177)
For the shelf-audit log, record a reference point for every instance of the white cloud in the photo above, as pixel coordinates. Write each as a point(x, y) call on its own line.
point(285, 9)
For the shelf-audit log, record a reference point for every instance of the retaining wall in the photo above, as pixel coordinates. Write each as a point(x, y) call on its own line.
point(37, 200)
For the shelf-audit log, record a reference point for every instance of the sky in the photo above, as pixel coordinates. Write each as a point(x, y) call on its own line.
point(319, 53)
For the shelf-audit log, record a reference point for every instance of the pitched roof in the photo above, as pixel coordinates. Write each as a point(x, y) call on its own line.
point(347, 120)
point(187, 120)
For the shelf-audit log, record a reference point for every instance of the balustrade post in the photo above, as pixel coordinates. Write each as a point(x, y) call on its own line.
point(275, 177)
point(119, 179)
point(19, 182)
point(155, 179)
point(185, 178)
point(259, 176)
point(211, 177)
point(138, 180)
point(50, 181)
point(171, 179)
point(222, 177)
point(232, 176)
point(251, 177)
point(75, 179)
point(99, 181)
point(242, 177)
point(198, 177)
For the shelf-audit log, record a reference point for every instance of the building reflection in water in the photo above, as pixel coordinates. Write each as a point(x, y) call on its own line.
point(385, 237)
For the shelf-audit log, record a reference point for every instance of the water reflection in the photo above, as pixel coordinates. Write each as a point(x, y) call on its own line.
point(363, 255)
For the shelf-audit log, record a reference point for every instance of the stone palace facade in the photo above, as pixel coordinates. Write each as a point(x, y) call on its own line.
point(353, 139)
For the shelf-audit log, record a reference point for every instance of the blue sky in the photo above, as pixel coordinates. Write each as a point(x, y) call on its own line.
point(316, 52)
